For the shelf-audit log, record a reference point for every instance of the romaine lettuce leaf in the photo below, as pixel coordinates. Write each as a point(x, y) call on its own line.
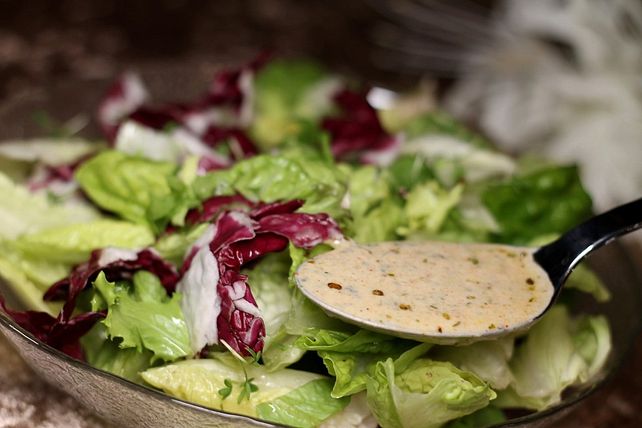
point(23, 212)
point(287, 91)
point(23, 276)
point(440, 123)
point(273, 178)
point(137, 189)
point(426, 394)
point(285, 396)
point(487, 359)
point(427, 208)
point(306, 406)
point(145, 317)
point(105, 354)
point(74, 243)
point(376, 212)
point(547, 201)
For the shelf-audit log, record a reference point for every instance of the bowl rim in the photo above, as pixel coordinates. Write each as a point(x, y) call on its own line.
point(589, 388)
point(28, 338)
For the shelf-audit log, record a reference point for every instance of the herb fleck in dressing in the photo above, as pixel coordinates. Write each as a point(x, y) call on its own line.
point(430, 288)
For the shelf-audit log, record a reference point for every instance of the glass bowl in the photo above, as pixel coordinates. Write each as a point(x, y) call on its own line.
point(124, 403)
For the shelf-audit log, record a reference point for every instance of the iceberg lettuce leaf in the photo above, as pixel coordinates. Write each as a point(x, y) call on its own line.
point(426, 394)
point(556, 353)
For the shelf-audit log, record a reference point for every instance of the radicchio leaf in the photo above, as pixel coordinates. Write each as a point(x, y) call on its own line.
point(59, 333)
point(358, 133)
point(214, 118)
point(236, 239)
point(125, 96)
point(57, 178)
point(117, 264)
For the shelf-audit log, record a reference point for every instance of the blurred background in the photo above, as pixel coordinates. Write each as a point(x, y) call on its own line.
point(563, 77)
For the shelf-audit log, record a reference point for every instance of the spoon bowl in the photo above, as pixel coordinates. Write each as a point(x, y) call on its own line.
point(451, 293)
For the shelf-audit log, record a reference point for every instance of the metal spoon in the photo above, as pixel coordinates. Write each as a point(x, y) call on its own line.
point(453, 293)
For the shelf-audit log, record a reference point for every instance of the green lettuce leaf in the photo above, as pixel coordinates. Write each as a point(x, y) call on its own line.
point(426, 394)
point(105, 354)
point(441, 123)
point(306, 406)
point(427, 208)
point(556, 353)
point(583, 279)
point(273, 294)
point(350, 357)
point(270, 178)
point(278, 396)
point(549, 201)
point(27, 279)
point(363, 341)
point(137, 189)
point(488, 359)
point(173, 246)
point(376, 212)
point(144, 317)
point(287, 91)
point(23, 212)
point(73, 244)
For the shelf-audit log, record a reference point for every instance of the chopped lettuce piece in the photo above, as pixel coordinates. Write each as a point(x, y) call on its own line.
point(271, 178)
point(105, 354)
point(350, 357)
point(452, 160)
point(18, 274)
point(583, 279)
point(306, 406)
point(440, 123)
point(287, 91)
point(219, 383)
point(173, 246)
point(364, 341)
point(145, 317)
point(426, 394)
point(350, 370)
point(556, 353)
point(427, 208)
point(407, 171)
point(22, 212)
point(488, 360)
point(551, 200)
point(137, 189)
point(376, 212)
point(50, 151)
point(73, 244)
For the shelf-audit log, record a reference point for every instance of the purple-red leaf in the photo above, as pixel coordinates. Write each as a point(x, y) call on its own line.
point(117, 264)
point(59, 333)
point(358, 132)
point(304, 230)
point(236, 239)
point(125, 96)
point(212, 207)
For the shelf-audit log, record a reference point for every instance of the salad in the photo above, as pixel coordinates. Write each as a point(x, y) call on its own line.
point(164, 253)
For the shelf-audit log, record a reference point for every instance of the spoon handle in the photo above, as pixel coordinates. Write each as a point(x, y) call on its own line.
point(560, 257)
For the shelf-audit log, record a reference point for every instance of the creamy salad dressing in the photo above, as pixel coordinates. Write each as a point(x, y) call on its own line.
point(429, 289)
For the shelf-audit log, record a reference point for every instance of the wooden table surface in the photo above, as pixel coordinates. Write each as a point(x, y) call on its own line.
point(42, 42)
